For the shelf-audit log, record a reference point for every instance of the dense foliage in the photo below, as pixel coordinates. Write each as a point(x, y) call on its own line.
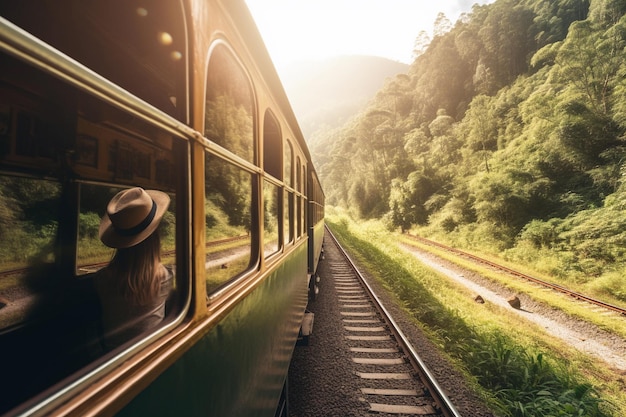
point(517, 374)
point(509, 130)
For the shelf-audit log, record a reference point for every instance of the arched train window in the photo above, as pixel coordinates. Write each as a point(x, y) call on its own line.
point(229, 111)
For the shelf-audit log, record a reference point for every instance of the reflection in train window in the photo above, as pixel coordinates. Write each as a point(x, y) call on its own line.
point(229, 105)
point(271, 207)
point(303, 190)
point(92, 254)
point(288, 179)
point(288, 157)
point(132, 301)
point(48, 319)
point(29, 211)
point(299, 207)
point(228, 199)
point(272, 144)
point(288, 215)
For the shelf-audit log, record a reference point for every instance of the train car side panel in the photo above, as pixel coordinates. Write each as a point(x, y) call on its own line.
point(315, 220)
point(220, 375)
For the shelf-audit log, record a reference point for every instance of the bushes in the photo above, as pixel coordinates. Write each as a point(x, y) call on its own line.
point(526, 383)
point(523, 380)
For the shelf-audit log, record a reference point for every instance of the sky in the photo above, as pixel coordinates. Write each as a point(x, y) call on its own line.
point(303, 30)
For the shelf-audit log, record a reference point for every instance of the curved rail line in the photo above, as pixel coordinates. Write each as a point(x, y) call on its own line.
point(518, 274)
point(443, 404)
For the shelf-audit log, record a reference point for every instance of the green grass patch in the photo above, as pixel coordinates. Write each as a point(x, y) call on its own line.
point(515, 366)
point(580, 310)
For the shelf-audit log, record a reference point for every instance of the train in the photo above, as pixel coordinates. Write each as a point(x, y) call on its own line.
point(178, 96)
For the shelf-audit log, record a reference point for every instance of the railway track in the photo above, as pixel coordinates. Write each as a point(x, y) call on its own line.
point(94, 266)
point(391, 377)
point(18, 293)
point(546, 284)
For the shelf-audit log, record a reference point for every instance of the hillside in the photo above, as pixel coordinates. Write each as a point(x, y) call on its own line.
point(506, 135)
point(325, 94)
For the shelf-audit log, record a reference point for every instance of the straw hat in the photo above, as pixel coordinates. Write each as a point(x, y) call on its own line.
point(132, 215)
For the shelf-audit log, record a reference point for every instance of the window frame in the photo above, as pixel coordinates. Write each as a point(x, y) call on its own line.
point(252, 167)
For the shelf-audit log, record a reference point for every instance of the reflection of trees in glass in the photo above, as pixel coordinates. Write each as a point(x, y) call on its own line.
point(229, 189)
point(288, 217)
point(229, 106)
point(230, 126)
point(92, 205)
point(287, 157)
point(271, 204)
point(228, 200)
point(28, 219)
point(228, 194)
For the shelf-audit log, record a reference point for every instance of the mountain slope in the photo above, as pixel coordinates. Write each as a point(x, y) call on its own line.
point(325, 94)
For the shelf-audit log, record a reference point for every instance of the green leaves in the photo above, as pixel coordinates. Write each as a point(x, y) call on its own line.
point(526, 381)
point(510, 122)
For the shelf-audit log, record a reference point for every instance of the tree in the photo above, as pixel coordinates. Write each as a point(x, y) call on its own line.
point(481, 133)
point(506, 40)
point(442, 25)
point(421, 44)
point(407, 199)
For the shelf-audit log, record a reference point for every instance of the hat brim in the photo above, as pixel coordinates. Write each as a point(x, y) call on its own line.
point(112, 239)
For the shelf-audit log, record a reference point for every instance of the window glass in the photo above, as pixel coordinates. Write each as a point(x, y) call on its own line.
point(58, 313)
point(131, 303)
point(228, 208)
point(148, 38)
point(288, 216)
point(92, 254)
point(299, 207)
point(298, 216)
point(298, 175)
point(272, 152)
point(40, 338)
point(271, 207)
point(288, 157)
point(29, 210)
point(304, 204)
point(229, 105)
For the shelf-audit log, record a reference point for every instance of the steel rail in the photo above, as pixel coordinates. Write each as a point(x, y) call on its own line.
point(97, 265)
point(518, 274)
point(444, 405)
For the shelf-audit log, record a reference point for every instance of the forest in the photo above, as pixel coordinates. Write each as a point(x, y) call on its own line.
point(506, 135)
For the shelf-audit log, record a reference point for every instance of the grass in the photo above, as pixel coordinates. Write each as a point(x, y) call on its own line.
point(580, 310)
point(591, 266)
point(516, 367)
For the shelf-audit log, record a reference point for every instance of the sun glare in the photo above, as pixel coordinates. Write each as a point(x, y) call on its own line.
point(317, 29)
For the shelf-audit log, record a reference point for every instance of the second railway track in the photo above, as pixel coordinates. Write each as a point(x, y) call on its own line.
point(546, 284)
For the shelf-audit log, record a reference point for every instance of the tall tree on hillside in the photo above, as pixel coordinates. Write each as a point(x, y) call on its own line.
point(589, 64)
point(421, 44)
point(442, 25)
point(507, 41)
point(407, 201)
point(480, 129)
point(607, 13)
point(553, 18)
point(442, 80)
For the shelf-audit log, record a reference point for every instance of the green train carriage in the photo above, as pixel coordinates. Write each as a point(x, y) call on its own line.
point(178, 96)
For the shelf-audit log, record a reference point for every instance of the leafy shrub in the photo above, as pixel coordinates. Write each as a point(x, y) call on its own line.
point(611, 284)
point(524, 382)
point(89, 224)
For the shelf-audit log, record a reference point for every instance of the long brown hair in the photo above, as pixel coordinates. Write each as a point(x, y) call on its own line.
point(135, 270)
